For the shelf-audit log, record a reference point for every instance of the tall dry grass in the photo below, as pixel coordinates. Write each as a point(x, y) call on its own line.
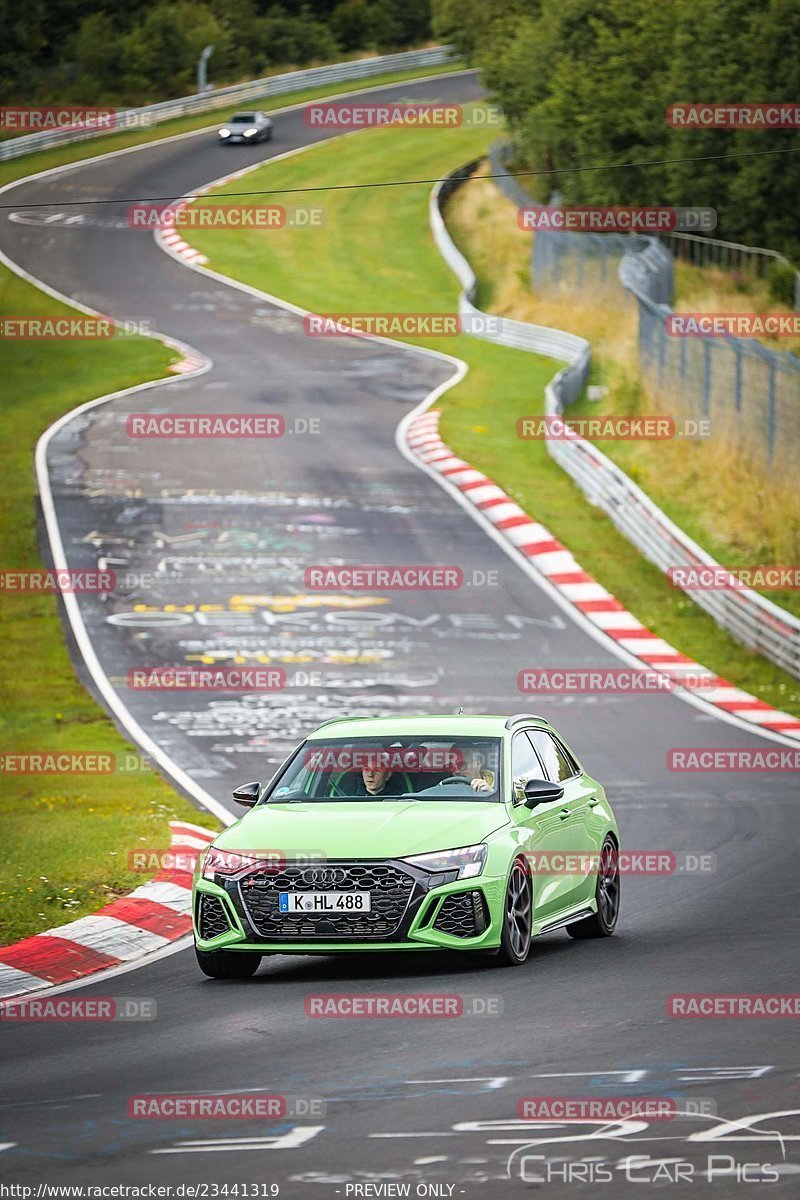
point(740, 511)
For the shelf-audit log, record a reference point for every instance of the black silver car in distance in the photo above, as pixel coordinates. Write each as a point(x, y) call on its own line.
point(246, 127)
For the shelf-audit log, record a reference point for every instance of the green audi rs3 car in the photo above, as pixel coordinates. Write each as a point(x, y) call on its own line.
point(427, 833)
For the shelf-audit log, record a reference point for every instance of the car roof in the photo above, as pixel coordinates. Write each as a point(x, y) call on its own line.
point(442, 725)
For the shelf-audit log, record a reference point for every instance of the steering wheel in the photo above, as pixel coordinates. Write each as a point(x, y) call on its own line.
point(335, 790)
point(462, 779)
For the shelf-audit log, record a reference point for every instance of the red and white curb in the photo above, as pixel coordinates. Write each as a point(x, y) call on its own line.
point(168, 234)
point(152, 916)
point(190, 364)
point(584, 593)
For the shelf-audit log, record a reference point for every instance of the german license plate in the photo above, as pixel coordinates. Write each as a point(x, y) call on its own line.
point(325, 902)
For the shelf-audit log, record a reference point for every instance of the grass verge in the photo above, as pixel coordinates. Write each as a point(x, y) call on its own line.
point(375, 252)
point(66, 836)
point(710, 289)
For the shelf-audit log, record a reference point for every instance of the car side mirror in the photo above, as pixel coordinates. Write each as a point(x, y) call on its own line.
point(541, 791)
point(247, 794)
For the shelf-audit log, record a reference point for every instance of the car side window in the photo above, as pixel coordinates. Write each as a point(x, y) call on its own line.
point(525, 764)
point(574, 766)
point(557, 763)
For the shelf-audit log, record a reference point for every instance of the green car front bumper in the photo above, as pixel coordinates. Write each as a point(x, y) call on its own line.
point(463, 914)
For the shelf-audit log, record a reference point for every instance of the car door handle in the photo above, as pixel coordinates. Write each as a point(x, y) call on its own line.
point(565, 812)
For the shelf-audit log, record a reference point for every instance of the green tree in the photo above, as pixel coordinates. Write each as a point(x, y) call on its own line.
point(286, 39)
point(467, 24)
point(25, 42)
point(585, 85)
point(711, 47)
point(604, 103)
point(98, 51)
point(161, 52)
point(351, 24)
point(413, 19)
point(385, 30)
point(239, 56)
point(762, 199)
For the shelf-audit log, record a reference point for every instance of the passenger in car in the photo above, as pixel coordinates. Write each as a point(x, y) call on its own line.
point(373, 782)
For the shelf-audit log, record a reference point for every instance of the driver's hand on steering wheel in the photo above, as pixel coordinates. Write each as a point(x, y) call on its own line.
point(480, 785)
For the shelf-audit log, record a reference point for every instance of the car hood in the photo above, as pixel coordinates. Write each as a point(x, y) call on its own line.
point(385, 829)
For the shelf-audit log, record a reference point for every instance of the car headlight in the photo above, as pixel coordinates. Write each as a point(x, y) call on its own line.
point(468, 861)
point(250, 132)
point(224, 133)
point(225, 862)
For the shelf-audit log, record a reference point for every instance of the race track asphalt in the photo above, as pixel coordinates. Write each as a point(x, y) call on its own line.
point(425, 1102)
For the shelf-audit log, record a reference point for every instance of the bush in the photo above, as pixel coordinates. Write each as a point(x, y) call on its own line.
point(781, 281)
point(285, 39)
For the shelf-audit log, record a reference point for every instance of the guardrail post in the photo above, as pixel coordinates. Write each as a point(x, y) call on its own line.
point(771, 412)
point(202, 79)
point(737, 395)
point(706, 376)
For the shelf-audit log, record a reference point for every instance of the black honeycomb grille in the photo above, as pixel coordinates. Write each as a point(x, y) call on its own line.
point(391, 890)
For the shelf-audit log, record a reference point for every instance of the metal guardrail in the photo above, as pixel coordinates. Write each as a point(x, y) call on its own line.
point(256, 89)
point(553, 343)
point(728, 256)
point(749, 391)
point(746, 615)
point(697, 249)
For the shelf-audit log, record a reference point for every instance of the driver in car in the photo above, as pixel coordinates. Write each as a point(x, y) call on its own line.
point(466, 764)
point(471, 768)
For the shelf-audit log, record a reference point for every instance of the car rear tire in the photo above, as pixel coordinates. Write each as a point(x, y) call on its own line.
point(227, 964)
point(607, 894)
point(515, 940)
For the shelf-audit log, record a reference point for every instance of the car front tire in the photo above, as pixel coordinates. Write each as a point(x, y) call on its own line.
point(607, 894)
point(515, 940)
point(227, 964)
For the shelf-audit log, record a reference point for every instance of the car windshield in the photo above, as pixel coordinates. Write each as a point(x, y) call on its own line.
point(392, 768)
point(243, 119)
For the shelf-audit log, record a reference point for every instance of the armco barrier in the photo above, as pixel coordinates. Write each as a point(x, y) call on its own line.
point(748, 616)
point(256, 89)
point(704, 251)
point(554, 343)
point(749, 391)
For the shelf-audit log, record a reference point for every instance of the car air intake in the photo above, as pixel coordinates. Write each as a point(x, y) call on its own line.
point(462, 914)
point(212, 920)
